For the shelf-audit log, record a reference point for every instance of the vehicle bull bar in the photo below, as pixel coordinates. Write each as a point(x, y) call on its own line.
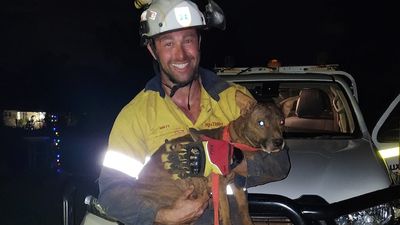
point(310, 209)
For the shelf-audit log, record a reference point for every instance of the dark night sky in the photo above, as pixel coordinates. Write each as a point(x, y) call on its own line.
point(84, 55)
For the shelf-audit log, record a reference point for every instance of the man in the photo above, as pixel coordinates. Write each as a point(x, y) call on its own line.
point(180, 96)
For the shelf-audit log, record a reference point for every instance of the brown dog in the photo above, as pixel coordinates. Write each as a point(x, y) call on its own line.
point(259, 126)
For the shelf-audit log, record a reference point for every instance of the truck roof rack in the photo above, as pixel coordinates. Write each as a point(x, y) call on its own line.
point(283, 69)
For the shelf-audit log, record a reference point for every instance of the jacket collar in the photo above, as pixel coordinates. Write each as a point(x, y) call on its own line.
point(211, 82)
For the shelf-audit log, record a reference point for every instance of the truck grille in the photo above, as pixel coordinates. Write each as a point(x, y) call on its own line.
point(271, 221)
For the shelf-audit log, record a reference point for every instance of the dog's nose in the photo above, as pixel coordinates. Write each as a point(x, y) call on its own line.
point(278, 142)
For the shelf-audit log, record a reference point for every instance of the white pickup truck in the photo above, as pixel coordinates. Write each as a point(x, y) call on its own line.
point(338, 175)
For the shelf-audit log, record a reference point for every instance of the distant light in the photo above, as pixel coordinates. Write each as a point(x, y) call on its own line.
point(42, 115)
point(273, 64)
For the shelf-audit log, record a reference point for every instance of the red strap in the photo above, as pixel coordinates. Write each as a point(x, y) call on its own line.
point(215, 196)
point(243, 147)
point(220, 152)
point(215, 177)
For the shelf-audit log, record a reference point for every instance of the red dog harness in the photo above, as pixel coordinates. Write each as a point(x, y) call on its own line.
point(215, 177)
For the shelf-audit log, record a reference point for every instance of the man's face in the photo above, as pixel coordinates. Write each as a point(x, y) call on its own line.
point(178, 54)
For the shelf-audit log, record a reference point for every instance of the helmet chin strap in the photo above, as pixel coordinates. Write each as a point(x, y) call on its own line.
point(175, 87)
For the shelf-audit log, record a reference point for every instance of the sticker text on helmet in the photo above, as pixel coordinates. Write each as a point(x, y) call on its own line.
point(143, 16)
point(152, 15)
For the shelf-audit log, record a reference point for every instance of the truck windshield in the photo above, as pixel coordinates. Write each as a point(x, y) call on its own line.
point(315, 109)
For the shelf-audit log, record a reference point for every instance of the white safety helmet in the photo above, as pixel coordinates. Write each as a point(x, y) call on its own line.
point(162, 16)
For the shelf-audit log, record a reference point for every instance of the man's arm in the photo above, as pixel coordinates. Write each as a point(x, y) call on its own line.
point(117, 196)
point(263, 168)
point(120, 201)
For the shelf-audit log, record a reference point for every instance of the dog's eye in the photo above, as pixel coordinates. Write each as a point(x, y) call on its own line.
point(261, 123)
point(282, 122)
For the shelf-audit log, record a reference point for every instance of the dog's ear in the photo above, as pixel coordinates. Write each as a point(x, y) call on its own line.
point(195, 134)
point(245, 102)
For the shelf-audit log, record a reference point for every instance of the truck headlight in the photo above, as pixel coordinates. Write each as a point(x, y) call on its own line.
point(376, 215)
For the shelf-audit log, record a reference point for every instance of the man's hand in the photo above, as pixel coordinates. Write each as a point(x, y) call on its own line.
point(184, 210)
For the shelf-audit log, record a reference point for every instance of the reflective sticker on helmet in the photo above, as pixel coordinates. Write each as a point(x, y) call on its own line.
point(182, 15)
point(152, 15)
point(143, 16)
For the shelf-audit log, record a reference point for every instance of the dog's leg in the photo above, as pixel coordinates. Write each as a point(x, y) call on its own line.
point(243, 206)
point(224, 211)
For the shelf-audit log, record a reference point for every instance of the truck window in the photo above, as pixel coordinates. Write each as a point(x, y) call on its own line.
point(308, 107)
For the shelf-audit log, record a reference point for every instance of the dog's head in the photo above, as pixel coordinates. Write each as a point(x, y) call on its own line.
point(260, 125)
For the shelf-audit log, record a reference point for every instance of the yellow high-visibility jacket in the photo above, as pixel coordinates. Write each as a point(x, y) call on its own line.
point(151, 117)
